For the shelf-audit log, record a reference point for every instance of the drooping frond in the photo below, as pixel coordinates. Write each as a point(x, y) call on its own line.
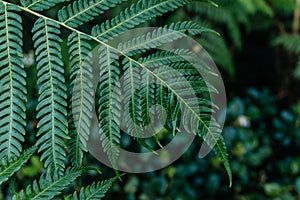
point(182, 61)
point(95, 191)
point(139, 96)
point(40, 5)
point(12, 83)
point(9, 166)
point(83, 98)
point(196, 111)
point(52, 104)
point(80, 11)
point(142, 11)
point(215, 140)
point(166, 57)
point(50, 185)
point(161, 36)
point(221, 150)
point(109, 102)
point(132, 114)
point(152, 94)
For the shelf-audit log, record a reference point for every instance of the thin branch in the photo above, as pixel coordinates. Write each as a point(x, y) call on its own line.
point(296, 20)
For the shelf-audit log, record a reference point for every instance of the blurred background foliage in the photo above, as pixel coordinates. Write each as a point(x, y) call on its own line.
point(258, 53)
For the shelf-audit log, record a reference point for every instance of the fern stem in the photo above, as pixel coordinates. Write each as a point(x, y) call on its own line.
point(82, 11)
point(11, 87)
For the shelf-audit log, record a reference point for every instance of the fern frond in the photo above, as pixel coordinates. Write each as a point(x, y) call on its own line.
point(49, 186)
point(196, 111)
point(95, 191)
point(223, 15)
point(12, 83)
point(161, 36)
point(166, 57)
point(290, 42)
point(216, 142)
point(182, 61)
point(52, 104)
point(179, 86)
point(142, 11)
point(81, 11)
point(83, 98)
point(151, 93)
point(132, 114)
point(256, 5)
point(221, 55)
point(10, 166)
point(40, 5)
point(147, 97)
point(109, 102)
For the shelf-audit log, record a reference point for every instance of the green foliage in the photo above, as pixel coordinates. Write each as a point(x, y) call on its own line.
point(61, 131)
point(82, 11)
point(11, 166)
point(158, 37)
point(95, 191)
point(291, 43)
point(81, 76)
point(138, 13)
point(40, 5)
point(52, 112)
point(109, 102)
point(49, 185)
point(12, 83)
point(228, 13)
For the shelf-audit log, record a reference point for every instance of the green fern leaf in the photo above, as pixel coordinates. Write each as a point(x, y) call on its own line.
point(83, 98)
point(142, 11)
point(10, 166)
point(223, 15)
point(12, 83)
point(214, 140)
point(48, 186)
point(221, 55)
point(81, 11)
point(139, 96)
point(96, 191)
point(109, 102)
point(290, 42)
point(161, 36)
point(52, 104)
point(196, 111)
point(132, 117)
point(166, 57)
point(40, 5)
